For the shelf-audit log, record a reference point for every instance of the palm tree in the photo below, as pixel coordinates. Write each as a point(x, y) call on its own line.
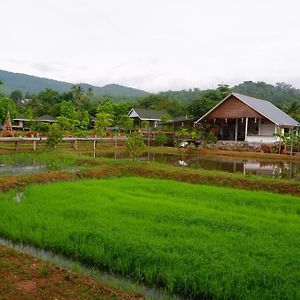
point(78, 93)
point(293, 109)
point(90, 92)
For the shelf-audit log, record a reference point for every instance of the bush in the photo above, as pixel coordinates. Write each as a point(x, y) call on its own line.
point(211, 138)
point(135, 145)
point(161, 138)
point(55, 135)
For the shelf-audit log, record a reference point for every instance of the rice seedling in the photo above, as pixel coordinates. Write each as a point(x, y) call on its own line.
point(194, 240)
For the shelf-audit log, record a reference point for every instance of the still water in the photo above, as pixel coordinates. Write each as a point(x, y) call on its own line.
point(275, 169)
point(21, 168)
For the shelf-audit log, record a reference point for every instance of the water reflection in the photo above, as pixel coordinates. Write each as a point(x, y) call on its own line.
point(277, 169)
point(21, 168)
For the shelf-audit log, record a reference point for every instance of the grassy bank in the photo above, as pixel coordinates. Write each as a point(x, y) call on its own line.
point(197, 241)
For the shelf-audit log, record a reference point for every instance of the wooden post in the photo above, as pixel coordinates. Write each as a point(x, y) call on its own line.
point(236, 129)
point(116, 141)
point(246, 128)
point(149, 137)
point(292, 140)
point(259, 125)
point(75, 144)
point(95, 143)
point(34, 145)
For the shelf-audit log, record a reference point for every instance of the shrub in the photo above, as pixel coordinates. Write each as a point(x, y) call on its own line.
point(55, 135)
point(135, 145)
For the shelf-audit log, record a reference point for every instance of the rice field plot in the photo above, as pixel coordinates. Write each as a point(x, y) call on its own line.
point(197, 241)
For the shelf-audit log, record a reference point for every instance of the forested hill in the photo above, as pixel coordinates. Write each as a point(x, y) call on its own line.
point(280, 93)
point(34, 85)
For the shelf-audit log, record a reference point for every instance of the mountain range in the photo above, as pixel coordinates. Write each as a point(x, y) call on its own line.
point(33, 85)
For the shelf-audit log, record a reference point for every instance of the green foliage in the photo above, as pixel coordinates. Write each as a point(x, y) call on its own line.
point(106, 107)
point(125, 123)
point(78, 93)
point(145, 125)
point(165, 118)
point(182, 133)
point(205, 102)
point(65, 123)
point(40, 127)
point(67, 109)
point(211, 138)
point(197, 241)
point(55, 135)
point(16, 95)
point(103, 120)
point(280, 93)
point(7, 105)
point(135, 145)
point(161, 138)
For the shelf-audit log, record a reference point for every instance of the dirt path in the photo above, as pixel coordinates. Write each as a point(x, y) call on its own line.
point(25, 277)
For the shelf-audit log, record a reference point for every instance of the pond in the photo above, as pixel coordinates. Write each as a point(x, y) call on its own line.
point(275, 169)
point(21, 168)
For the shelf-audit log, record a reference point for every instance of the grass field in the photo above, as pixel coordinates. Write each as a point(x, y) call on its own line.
point(193, 240)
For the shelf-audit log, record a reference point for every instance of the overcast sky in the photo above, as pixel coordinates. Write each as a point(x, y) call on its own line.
point(152, 44)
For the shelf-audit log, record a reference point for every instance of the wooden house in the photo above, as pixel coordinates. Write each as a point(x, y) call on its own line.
point(243, 118)
point(46, 119)
point(152, 116)
point(180, 122)
point(19, 122)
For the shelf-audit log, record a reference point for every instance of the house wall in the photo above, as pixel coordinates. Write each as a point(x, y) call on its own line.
point(267, 128)
point(233, 108)
point(262, 139)
point(18, 124)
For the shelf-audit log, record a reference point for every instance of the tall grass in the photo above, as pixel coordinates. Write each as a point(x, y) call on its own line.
point(193, 240)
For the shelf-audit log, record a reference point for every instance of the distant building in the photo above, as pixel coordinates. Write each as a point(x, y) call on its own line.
point(243, 118)
point(180, 122)
point(46, 119)
point(19, 122)
point(152, 116)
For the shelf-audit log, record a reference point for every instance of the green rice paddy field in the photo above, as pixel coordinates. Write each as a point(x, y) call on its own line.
point(197, 241)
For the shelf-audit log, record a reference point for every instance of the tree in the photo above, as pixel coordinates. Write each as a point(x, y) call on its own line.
point(67, 109)
point(107, 107)
point(16, 95)
point(161, 138)
point(65, 123)
point(224, 90)
point(125, 123)
point(165, 118)
point(49, 97)
point(103, 120)
point(84, 119)
point(202, 105)
point(55, 135)
point(90, 92)
point(7, 105)
point(145, 125)
point(78, 93)
point(135, 145)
